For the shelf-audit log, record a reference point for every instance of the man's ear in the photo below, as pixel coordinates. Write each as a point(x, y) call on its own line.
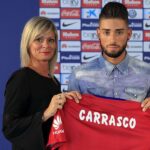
point(129, 33)
point(98, 33)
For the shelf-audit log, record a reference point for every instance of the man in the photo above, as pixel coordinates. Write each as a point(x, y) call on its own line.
point(115, 74)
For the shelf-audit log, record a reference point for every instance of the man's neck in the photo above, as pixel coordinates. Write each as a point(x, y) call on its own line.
point(117, 60)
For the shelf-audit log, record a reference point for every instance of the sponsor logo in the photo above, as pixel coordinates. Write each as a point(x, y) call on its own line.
point(49, 3)
point(132, 13)
point(70, 57)
point(146, 57)
point(91, 3)
point(70, 46)
point(146, 35)
point(89, 56)
point(90, 46)
point(146, 46)
point(107, 119)
point(68, 24)
point(70, 35)
point(70, 3)
point(133, 3)
point(106, 1)
point(135, 46)
point(90, 13)
point(50, 12)
point(136, 24)
point(57, 122)
point(72, 24)
point(135, 13)
point(146, 3)
point(89, 35)
point(68, 67)
point(137, 35)
point(70, 13)
point(146, 24)
point(89, 24)
point(146, 13)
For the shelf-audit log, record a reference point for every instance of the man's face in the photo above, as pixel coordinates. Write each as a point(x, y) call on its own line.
point(113, 35)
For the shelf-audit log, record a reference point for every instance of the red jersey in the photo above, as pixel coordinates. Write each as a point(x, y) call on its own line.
point(100, 124)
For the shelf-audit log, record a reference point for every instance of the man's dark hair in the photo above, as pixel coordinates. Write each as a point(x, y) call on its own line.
point(114, 10)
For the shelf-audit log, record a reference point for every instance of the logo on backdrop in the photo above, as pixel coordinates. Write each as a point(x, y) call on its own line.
point(90, 13)
point(135, 13)
point(133, 3)
point(146, 3)
point(50, 13)
point(146, 35)
point(70, 35)
point(89, 24)
point(91, 3)
point(68, 57)
point(71, 24)
point(49, 3)
point(88, 46)
point(70, 13)
point(146, 13)
point(70, 46)
point(146, 24)
point(136, 24)
point(89, 35)
point(68, 67)
point(70, 3)
point(146, 56)
point(137, 35)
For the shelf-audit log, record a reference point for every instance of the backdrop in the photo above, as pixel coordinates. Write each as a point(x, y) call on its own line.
point(76, 21)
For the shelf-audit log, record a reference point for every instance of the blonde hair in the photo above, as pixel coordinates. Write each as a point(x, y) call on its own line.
point(34, 27)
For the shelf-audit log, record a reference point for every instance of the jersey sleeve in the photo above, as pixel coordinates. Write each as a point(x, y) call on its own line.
point(57, 134)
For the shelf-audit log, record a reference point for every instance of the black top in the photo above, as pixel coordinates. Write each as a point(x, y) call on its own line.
point(27, 95)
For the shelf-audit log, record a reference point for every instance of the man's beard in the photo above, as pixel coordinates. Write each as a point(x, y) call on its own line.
point(113, 54)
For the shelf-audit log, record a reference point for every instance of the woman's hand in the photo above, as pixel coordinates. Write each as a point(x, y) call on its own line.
point(58, 101)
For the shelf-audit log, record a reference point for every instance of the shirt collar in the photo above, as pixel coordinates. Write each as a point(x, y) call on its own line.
point(109, 67)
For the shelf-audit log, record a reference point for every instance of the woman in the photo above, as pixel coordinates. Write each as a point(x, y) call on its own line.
point(32, 92)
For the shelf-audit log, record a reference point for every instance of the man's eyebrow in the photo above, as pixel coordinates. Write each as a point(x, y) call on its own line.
point(115, 29)
point(121, 29)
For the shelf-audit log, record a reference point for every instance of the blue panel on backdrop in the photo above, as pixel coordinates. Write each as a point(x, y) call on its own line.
point(14, 15)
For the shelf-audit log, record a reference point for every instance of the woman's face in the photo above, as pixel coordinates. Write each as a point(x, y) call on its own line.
point(43, 47)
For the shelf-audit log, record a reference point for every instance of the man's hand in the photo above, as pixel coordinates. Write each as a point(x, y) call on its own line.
point(145, 104)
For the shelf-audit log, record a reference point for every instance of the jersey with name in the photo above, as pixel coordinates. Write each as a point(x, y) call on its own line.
point(100, 123)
